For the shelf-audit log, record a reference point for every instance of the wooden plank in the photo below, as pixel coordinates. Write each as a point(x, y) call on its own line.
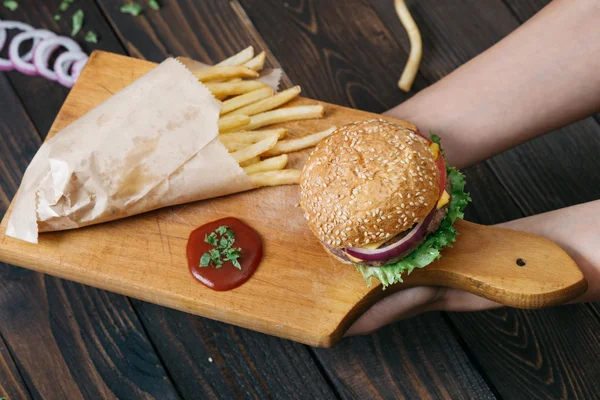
point(310, 24)
point(68, 341)
point(42, 99)
point(413, 359)
point(223, 361)
point(557, 170)
point(11, 382)
point(336, 50)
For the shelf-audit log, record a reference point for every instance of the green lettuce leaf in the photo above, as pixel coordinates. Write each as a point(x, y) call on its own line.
point(429, 250)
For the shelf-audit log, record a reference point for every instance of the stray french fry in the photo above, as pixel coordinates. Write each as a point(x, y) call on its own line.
point(270, 102)
point(288, 146)
point(239, 58)
point(231, 122)
point(233, 88)
point(226, 72)
point(284, 115)
point(257, 63)
point(276, 178)
point(255, 149)
point(416, 46)
point(245, 100)
point(270, 164)
point(253, 136)
point(249, 162)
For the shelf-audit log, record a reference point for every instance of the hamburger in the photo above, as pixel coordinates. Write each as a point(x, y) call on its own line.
point(381, 197)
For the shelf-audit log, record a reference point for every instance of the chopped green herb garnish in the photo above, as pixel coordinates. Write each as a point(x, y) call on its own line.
point(222, 239)
point(131, 8)
point(77, 22)
point(91, 37)
point(154, 4)
point(11, 5)
point(64, 5)
point(57, 17)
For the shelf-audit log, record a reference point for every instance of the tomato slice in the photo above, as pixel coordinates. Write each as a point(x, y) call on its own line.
point(439, 161)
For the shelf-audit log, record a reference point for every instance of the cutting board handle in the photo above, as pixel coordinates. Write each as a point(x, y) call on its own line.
point(514, 268)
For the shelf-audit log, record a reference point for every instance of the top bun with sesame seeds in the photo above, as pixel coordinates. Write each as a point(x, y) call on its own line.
point(368, 182)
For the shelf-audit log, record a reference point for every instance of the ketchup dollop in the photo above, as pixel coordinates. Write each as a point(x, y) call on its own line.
point(228, 276)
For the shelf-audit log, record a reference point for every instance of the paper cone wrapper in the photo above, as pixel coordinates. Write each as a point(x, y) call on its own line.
point(153, 144)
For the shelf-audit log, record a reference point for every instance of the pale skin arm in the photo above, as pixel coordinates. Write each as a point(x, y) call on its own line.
point(542, 76)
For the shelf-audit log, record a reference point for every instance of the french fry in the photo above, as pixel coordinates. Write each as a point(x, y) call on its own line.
point(255, 149)
point(276, 178)
point(284, 115)
point(254, 136)
point(270, 164)
point(249, 162)
point(226, 72)
point(257, 63)
point(416, 46)
point(245, 100)
point(288, 146)
point(270, 102)
point(233, 88)
point(233, 145)
point(231, 122)
point(239, 58)
point(238, 140)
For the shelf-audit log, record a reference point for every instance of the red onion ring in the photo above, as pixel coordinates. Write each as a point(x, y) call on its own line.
point(7, 65)
point(78, 67)
point(62, 64)
point(19, 63)
point(44, 50)
point(2, 37)
point(396, 249)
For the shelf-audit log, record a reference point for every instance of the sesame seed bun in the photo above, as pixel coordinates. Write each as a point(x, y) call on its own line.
point(367, 182)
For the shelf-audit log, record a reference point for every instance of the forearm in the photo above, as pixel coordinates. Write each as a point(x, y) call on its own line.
point(539, 78)
point(577, 230)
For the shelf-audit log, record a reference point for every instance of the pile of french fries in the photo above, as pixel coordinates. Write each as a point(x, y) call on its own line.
point(249, 105)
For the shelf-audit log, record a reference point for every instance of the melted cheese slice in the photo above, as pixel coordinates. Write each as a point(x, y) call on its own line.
point(435, 150)
point(443, 200)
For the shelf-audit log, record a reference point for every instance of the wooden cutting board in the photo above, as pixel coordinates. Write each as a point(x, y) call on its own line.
point(298, 292)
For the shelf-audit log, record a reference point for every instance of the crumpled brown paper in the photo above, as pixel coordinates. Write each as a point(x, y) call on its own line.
point(153, 144)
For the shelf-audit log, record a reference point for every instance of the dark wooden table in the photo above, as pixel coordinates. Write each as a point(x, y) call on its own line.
point(63, 340)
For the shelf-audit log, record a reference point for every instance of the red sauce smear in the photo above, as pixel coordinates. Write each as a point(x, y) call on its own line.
point(227, 277)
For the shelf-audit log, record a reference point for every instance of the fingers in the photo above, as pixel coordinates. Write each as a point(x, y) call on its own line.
point(401, 305)
point(413, 301)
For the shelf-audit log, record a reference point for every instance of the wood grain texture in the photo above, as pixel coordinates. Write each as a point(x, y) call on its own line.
point(11, 383)
point(339, 52)
point(223, 361)
point(42, 98)
point(206, 31)
point(550, 358)
point(108, 255)
point(60, 344)
point(397, 362)
point(525, 9)
point(547, 354)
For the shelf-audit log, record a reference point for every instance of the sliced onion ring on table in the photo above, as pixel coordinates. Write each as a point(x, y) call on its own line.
point(44, 50)
point(19, 62)
point(78, 67)
point(62, 64)
point(2, 37)
point(7, 65)
point(395, 249)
